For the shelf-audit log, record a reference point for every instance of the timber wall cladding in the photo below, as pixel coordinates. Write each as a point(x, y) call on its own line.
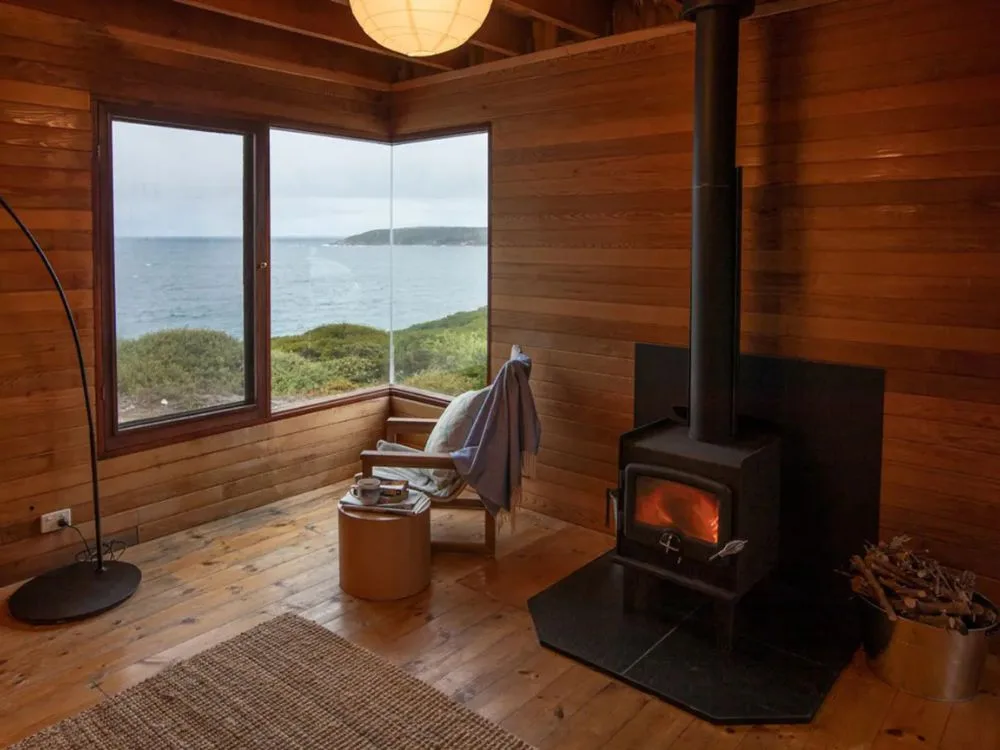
point(870, 133)
point(49, 67)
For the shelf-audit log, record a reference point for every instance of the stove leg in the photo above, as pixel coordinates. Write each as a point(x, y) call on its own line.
point(725, 623)
point(628, 590)
point(639, 590)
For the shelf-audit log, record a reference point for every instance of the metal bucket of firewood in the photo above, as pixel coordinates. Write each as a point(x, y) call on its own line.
point(925, 628)
point(926, 660)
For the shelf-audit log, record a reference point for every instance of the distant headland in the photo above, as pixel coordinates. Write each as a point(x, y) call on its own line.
point(462, 236)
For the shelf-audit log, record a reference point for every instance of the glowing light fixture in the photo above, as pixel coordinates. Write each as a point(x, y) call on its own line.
point(419, 28)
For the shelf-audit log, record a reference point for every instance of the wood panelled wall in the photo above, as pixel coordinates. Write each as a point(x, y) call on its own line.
point(870, 133)
point(49, 69)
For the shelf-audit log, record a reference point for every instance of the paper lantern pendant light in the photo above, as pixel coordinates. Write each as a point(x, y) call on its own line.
point(419, 28)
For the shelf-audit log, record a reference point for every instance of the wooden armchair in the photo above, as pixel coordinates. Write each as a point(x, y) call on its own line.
point(463, 498)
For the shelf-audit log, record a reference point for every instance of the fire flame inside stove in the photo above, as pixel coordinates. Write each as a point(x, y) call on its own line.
point(692, 512)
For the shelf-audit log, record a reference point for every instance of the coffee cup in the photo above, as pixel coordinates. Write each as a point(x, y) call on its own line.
point(367, 490)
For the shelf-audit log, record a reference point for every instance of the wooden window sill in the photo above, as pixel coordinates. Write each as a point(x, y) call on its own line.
point(180, 430)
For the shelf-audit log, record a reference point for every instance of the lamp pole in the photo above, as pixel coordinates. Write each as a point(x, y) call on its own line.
point(86, 588)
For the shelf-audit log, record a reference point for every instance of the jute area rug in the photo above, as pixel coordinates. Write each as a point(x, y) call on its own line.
point(288, 684)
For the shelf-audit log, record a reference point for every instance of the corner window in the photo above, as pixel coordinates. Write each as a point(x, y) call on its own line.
point(247, 272)
point(379, 265)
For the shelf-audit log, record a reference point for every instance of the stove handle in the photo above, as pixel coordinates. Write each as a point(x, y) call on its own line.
point(729, 549)
point(611, 499)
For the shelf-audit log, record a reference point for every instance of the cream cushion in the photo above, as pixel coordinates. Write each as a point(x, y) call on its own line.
point(448, 435)
point(453, 427)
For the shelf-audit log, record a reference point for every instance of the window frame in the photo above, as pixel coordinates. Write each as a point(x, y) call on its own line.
point(115, 440)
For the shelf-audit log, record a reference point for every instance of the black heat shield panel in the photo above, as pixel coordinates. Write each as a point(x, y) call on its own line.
point(829, 418)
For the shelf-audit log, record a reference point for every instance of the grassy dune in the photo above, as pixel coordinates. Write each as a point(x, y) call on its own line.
point(192, 368)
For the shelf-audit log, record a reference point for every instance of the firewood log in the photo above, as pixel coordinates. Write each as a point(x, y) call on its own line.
point(912, 585)
point(875, 587)
point(942, 607)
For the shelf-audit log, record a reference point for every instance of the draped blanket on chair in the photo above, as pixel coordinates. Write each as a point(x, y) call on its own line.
point(504, 432)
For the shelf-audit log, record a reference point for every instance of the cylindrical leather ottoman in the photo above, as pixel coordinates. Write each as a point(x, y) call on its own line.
point(384, 556)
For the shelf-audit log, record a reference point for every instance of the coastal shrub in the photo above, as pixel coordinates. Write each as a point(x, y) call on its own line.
point(362, 353)
point(439, 350)
point(293, 376)
point(455, 344)
point(187, 367)
point(194, 368)
point(337, 340)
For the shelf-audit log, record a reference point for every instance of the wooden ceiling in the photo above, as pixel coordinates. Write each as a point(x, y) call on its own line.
point(513, 27)
point(321, 39)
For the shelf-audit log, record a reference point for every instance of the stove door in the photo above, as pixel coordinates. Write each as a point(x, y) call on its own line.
point(679, 513)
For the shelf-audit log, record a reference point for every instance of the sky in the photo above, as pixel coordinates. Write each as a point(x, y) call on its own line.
point(173, 182)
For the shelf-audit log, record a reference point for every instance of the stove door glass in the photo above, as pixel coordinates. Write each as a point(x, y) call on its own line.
point(690, 511)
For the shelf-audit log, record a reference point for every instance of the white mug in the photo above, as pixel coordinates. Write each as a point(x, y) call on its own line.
point(367, 490)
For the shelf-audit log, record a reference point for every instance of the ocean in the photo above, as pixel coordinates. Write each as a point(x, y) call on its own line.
point(196, 282)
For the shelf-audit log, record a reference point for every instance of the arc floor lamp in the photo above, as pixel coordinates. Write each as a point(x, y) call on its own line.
point(89, 587)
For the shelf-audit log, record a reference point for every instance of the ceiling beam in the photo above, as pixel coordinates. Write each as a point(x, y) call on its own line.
point(168, 25)
point(765, 8)
point(321, 19)
point(630, 15)
point(545, 35)
point(503, 33)
point(588, 19)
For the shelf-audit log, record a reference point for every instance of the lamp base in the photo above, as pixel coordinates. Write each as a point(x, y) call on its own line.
point(74, 592)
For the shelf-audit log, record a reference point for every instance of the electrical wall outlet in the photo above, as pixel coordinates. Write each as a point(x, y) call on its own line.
point(50, 521)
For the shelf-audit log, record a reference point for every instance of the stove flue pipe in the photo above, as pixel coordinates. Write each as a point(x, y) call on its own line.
point(715, 232)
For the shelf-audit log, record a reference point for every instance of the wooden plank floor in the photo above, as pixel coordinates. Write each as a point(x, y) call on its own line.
point(469, 635)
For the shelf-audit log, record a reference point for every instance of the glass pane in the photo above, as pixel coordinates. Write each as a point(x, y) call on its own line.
point(680, 507)
point(330, 267)
point(178, 255)
point(440, 263)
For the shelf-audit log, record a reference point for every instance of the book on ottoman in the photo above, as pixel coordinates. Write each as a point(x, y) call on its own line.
point(412, 504)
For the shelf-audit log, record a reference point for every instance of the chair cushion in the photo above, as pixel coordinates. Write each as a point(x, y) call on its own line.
point(453, 427)
point(439, 488)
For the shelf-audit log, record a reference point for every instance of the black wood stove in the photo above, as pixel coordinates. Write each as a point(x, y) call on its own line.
point(704, 515)
point(698, 498)
point(728, 526)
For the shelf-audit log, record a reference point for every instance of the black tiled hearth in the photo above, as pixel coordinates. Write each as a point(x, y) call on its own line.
point(787, 654)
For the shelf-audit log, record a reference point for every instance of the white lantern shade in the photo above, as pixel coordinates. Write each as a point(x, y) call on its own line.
point(419, 28)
